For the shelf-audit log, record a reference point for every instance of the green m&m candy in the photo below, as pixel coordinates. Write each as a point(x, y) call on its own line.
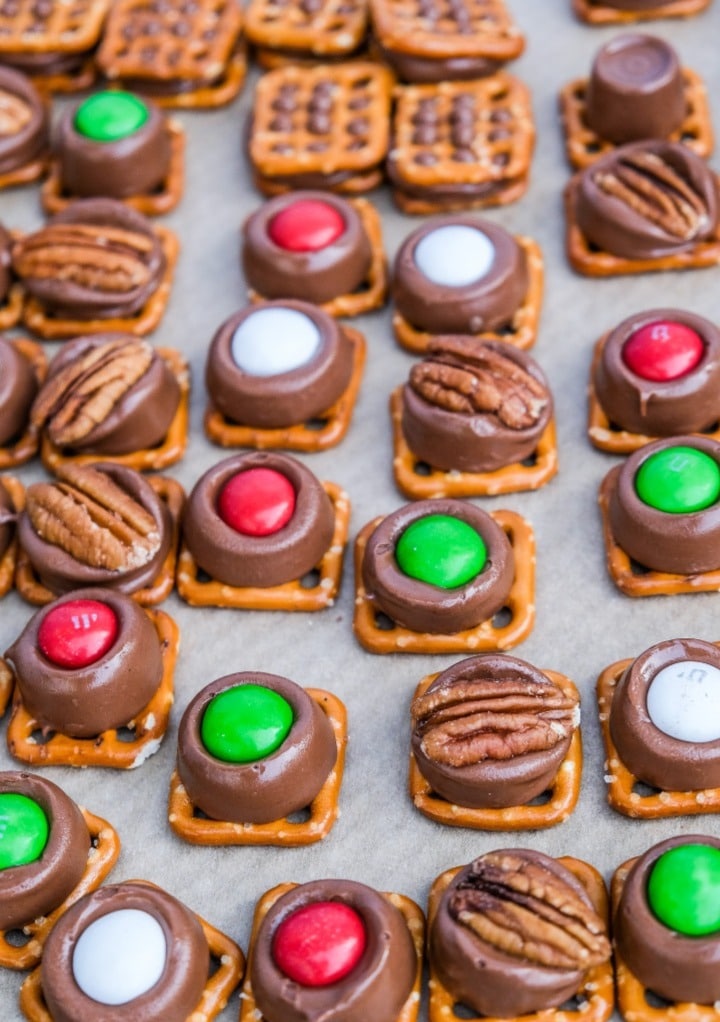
point(441, 550)
point(678, 480)
point(110, 116)
point(245, 723)
point(24, 830)
point(684, 889)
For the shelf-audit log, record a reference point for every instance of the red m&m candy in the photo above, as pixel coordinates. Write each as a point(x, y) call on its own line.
point(258, 502)
point(306, 226)
point(663, 351)
point(77, 633)
point(320, 943)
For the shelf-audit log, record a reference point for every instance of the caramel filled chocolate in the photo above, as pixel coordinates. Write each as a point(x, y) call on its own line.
point(413, 67)
point(8, 517)
point(675, 966)
point(24, 129)
point(680, 543)
point(100, 525)
point(107, 394)
point(496, 970)
point(646, 200)
point(316, 275)
point(18, 386)
point(84, 701)
point(277, 399)
point(266, 789)
point(176, 994)
point(37, 888)
point(376, 988)
point(475, 406)
point(689, 403)
point(7, 275)
point(243, 560)
point(134, 165)
point(492, 731)
point(635, 89)
point(486, 303)
point(420, 606)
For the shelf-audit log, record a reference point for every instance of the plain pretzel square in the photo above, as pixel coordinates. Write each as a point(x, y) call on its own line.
point(489, 31)
point(326, 30)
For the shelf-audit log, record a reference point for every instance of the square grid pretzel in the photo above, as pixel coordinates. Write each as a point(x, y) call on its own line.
point(488, 29)
point(327, 29)
point(25, 446)
point(597, 993)
point(65, 27)
point(499, 151)
point(597, 14)
point(354, 100)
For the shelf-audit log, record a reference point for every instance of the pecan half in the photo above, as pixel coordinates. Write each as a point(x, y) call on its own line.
point(81, 395)
point(94, 520)
point(15, 113)
point(463, 376)
point(516, 904)
point(472, 720)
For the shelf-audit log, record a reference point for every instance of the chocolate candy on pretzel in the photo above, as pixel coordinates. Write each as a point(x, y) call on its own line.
point(305, 32)
point(24, 129)
point(621, 12)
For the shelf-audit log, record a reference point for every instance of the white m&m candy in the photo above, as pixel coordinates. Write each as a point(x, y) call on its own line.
point(455, 255)
point(120, 956)
point(274, 341)
point(683, 701)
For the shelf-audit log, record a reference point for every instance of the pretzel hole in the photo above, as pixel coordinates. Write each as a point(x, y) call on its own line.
point(643, 790)
point(316, 424)
point(40, 737)
point(384, 623)
point(655, 1000)
point(542, 799)
point(592, 147)
point(203, 577)
point(361, 83)
point(299, 816)
point(126, 734)
point(530, 461)
point(461, 1010)
point(198, 814)
point(688, 136)
point(578, 1002)
point(638, 569)
point(421, 468)
point(16, 938)
point(311, 579)
point(502, 618)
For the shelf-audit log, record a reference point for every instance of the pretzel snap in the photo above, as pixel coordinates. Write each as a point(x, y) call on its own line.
point(488, 29)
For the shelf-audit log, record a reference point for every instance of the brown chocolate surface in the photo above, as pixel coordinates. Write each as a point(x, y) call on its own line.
point(7, 518)
point(481, 975)
point(266, 789)
point(37, 888)
point(679, 543)
point(676, 967)
point(631, 5)
point(428, 608)
point(475, 406)
point(24, 128)
point(635, 89)
point(7, 275)
point(239, 560)
point(491, 732)
point(68, 550)
point(651, 755)
point(375, 989)
point(18, 385)
point(485, 304)
point(687, 404)
point(134, 165)
point(316, 276)
point(647, 199)
point(284, 399)
point(83, 702)
point(119, 244)
point(107, 394)
point(413, 67)
point(176, 994)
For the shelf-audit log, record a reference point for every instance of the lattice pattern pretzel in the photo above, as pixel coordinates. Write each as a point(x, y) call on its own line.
point(286, 833)
point(435, 482)
point(596, 994)
point(167, 452)
point(564, 791)
point(636, 580)
point(107, 749)
point(415, 923)
point(487, 31)
point(102, 856)
point(332, 28)
point(485, 636)
point(596, 14)
point(288, 596)
point(63, 28)
point(222, 979)
point(583, 146)
point(521, 332)
point(173, 495)
point(621, 793)
point(25, 446)
point(8, 560)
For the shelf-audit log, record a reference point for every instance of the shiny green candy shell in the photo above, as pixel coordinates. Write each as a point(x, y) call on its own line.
point(684, 889)
point(442, 551)
point(245, 723)
point(678, 480)
point(24, 830)
point(110, 116)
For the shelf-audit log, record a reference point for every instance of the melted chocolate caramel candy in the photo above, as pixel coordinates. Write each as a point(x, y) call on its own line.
point(306, 245)
point(278, 364)
point(7, 275)
point(632, 5)
point(459, 275)
point(8, 517)
point(44, 844)
point(258, 519)
point(413, 67)
point(253, 748)
point(373, 984)
point(24, 129)
point(86, 663)
point(129, 952)
point(18, 385)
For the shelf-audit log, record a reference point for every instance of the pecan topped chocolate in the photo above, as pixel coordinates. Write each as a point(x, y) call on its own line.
point(648, 199)
point(96, 259)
